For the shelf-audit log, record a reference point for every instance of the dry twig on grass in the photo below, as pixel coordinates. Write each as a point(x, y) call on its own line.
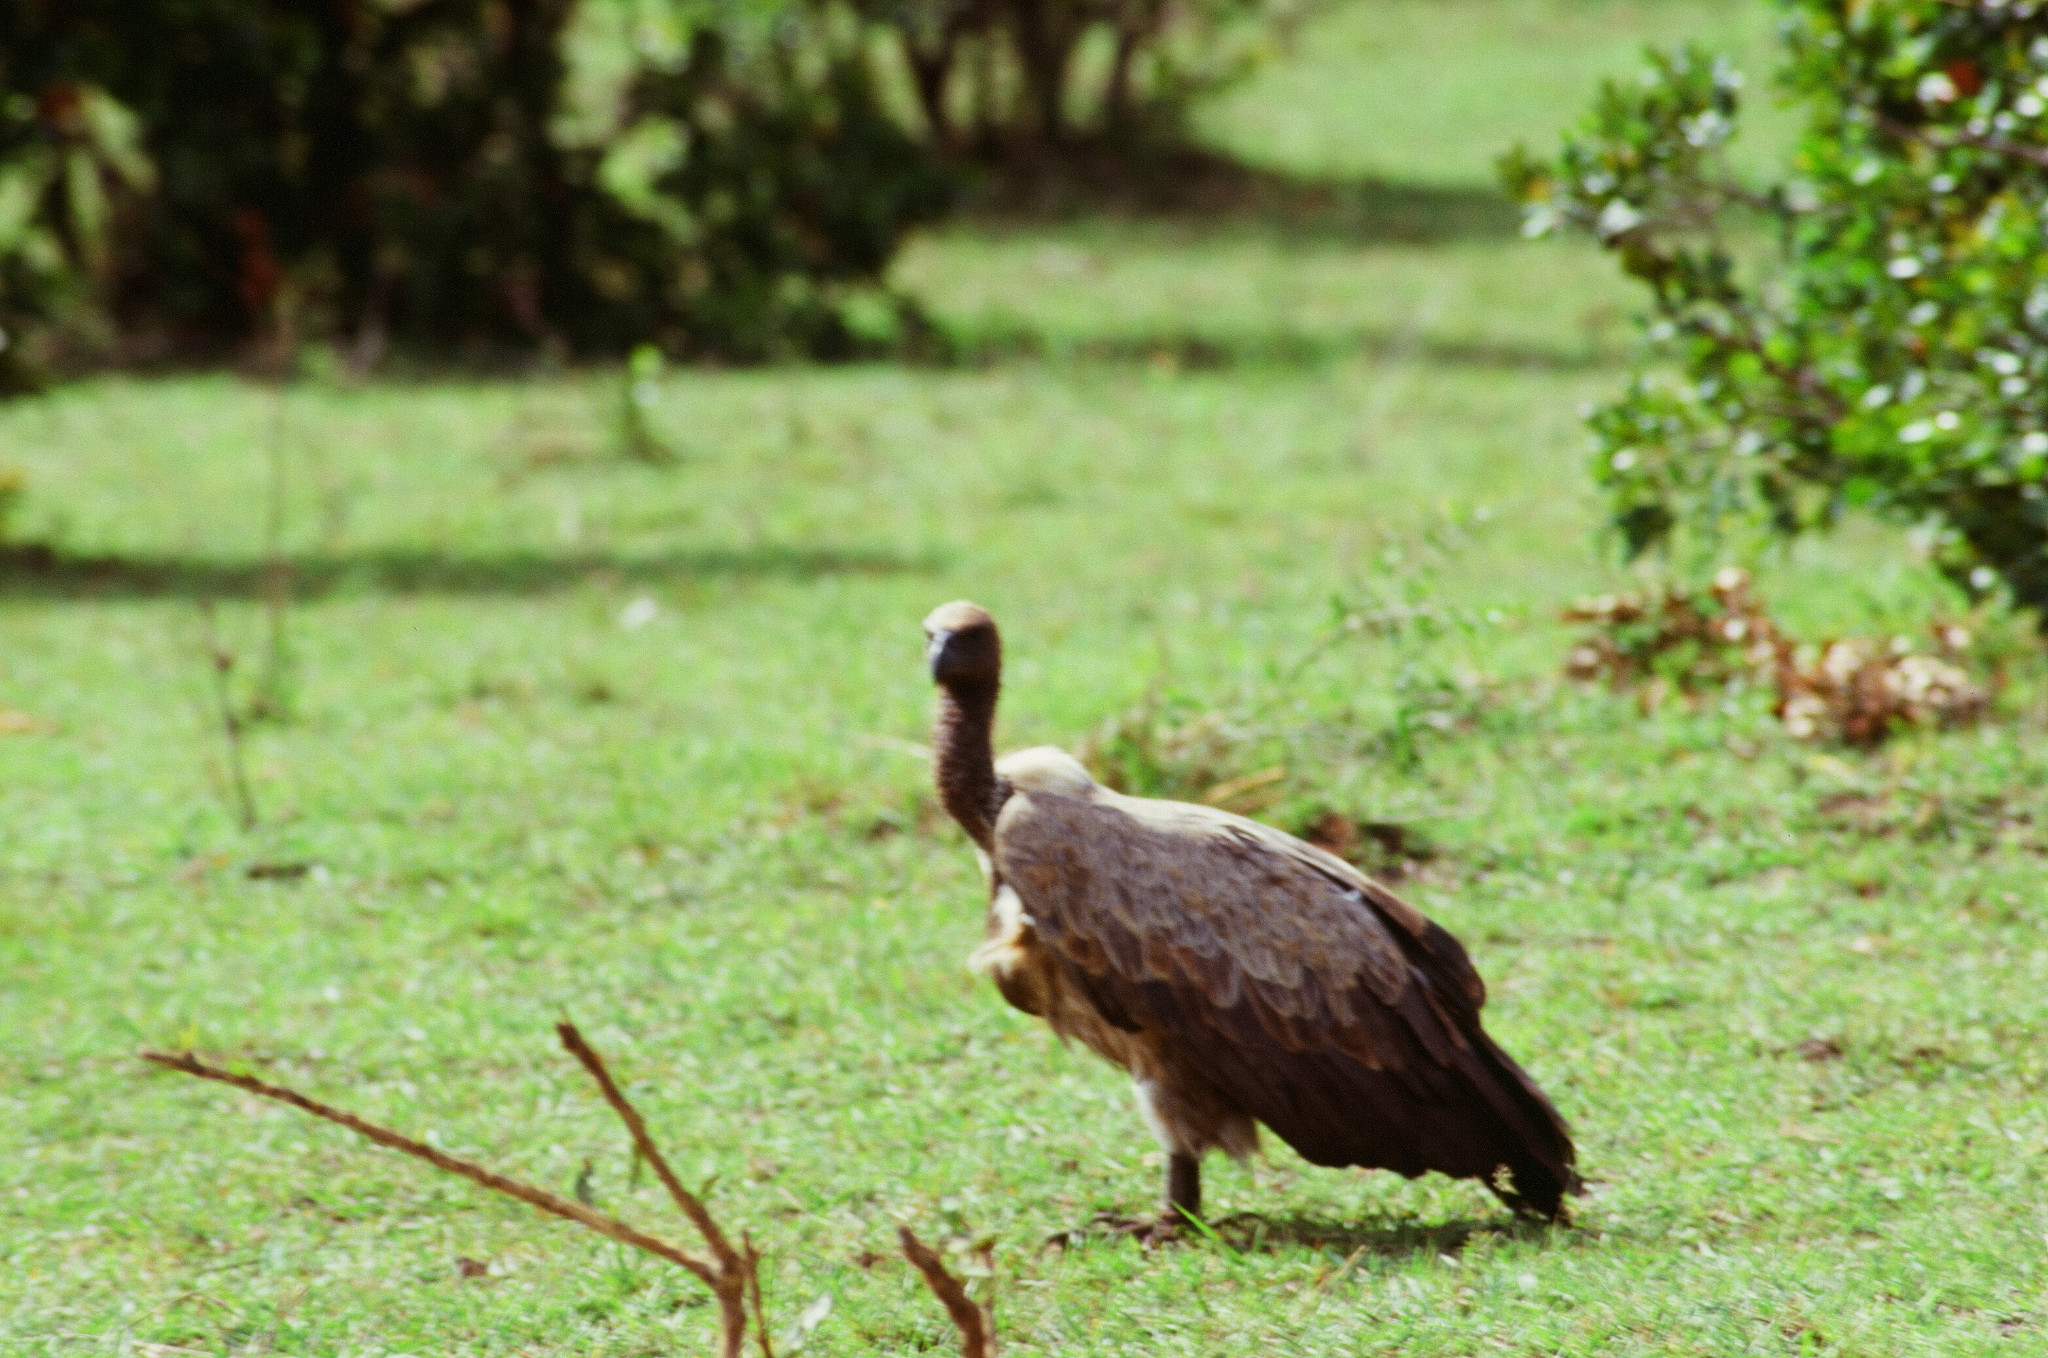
point(977, 1324)
point(732, 1273)
point(732, 1320)
point(729, 1275)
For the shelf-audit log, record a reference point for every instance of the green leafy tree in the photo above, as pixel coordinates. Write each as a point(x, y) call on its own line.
point(1872, 329)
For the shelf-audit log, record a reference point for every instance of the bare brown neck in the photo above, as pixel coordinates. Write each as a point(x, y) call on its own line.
point(964, 757)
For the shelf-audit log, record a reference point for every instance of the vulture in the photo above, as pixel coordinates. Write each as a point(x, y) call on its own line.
point(1240, 975)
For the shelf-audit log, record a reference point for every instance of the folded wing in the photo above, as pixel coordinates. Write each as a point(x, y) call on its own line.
point(1314, 998)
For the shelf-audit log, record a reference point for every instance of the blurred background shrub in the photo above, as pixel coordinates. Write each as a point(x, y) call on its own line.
point(1020, 79)
point(183, 178)
point(189, 178)
point(71, 159)
point(1870, 330)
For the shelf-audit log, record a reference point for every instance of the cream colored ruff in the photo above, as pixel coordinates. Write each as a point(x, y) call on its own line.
point(1042, 768)
point(1045, 768)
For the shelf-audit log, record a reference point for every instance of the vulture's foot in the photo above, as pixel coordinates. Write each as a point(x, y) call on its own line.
point(1149, 1232)
point(1168, 1228)
point(1183, 1188)
point(1175, 1222)
point(1182, 1210)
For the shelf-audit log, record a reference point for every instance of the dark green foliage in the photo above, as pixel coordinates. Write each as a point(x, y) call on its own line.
point(187, 178)
point(773, 174)
point(71, 162)
point(377, 172)
point(1892, 348)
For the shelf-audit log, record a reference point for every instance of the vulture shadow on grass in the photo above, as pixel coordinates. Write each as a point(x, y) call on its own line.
point(37, 571)
point(1390, 1238)
point(1384, 1237)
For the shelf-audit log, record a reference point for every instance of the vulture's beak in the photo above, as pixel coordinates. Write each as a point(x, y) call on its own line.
point(935, 654)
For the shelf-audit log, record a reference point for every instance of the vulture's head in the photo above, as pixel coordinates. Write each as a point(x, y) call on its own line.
point(961, 645)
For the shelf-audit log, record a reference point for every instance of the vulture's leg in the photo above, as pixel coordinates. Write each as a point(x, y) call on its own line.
point(1183, 1188)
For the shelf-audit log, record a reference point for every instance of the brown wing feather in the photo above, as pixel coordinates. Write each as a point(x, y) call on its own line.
point(1324, 1005)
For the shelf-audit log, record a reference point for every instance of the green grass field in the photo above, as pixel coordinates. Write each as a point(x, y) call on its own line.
point(1795, 1001)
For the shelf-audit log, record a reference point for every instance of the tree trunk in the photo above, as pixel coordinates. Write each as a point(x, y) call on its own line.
point(1045, 38)
point(1117, 112)
point(931, 72)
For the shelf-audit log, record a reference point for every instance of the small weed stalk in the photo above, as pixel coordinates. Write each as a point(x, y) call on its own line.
point(639, 441)
point(220, 662)
point(1255, 756)
point(13, 483)
point(732, 1272)
point(270, 700)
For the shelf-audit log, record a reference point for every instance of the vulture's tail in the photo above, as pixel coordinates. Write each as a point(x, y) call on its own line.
point(1538, 1152)
point(1464, 1109)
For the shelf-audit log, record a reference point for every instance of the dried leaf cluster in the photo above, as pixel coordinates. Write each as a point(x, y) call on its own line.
point(1858, 690)
point(1854, 690)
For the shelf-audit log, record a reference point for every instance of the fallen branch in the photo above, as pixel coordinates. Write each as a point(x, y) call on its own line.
point(732, 1324)
point(732, 1273)
point(453, 1164)
point(753, 1261)
point(977, 1324)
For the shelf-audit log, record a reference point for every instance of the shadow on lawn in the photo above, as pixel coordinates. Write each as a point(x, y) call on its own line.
point(37, 571)
point(1204, 196)
point(1276, 348)
point(1254, 1232)
point(1209, 190)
